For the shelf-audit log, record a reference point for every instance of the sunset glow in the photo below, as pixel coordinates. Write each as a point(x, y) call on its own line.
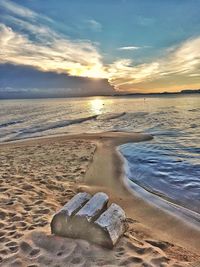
point(145, 57)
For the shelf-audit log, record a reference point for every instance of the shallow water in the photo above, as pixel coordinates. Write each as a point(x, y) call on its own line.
point(169, 165)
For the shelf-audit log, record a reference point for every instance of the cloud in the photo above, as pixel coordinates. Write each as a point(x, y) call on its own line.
point(129, 48)
point(22, 81)
point(178, 67)
point(20, 11)
point(33, 43)
point(26, 39)
point(53, 53)
point(17, 9)
point(145, 21)
point(94, 25)
point(38, 30)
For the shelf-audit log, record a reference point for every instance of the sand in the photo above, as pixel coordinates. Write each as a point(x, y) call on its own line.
point(38, 176)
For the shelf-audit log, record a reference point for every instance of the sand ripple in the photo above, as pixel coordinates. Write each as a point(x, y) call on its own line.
point(34, 182)
point(36, 179)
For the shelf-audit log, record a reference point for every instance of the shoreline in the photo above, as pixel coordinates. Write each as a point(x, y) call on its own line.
point(170, 226)
point(189, 216)
point(131, 186)
point(105, 172)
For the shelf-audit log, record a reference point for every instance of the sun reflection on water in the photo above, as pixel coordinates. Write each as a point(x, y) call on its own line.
point(96, 106)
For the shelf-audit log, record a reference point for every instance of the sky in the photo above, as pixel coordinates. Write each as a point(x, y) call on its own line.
point(95, 47)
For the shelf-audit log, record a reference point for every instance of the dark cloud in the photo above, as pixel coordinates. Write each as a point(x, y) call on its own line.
point(27, 82)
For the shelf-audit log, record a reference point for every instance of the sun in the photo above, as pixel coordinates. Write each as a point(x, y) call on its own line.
point(93, 72)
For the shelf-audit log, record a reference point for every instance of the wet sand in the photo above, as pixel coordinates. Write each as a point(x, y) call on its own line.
point(38, 176)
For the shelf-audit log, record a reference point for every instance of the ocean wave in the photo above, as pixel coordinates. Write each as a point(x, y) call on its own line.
point(54, 125)
point(6, 124)
point(166, 170)
point(140, 114)
point(110, 116)
point(194, 109)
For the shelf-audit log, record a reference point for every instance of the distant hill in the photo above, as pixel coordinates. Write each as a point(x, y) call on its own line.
point(190, 91)
point(185, 91)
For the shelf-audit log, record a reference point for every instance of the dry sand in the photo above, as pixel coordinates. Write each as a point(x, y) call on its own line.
point(38, 176)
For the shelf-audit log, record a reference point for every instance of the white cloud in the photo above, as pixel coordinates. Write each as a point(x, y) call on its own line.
point(79, 58)
point(94, 25)
point(46, 49)
point(145, 21)
point(36, 29)
point(21, 11)
point(129, 48)
point(17, 9)
point(182, 62)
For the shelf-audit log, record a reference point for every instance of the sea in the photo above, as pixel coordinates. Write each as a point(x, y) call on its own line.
point(167, 166)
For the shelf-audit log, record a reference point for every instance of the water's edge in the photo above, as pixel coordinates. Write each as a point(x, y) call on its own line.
point(168, 166)
point(174, 209)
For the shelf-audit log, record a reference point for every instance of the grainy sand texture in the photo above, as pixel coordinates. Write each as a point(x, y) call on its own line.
point(36, 179)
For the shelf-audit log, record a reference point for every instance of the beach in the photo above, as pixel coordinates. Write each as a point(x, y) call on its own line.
point(38, 176)
point(99, 133)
